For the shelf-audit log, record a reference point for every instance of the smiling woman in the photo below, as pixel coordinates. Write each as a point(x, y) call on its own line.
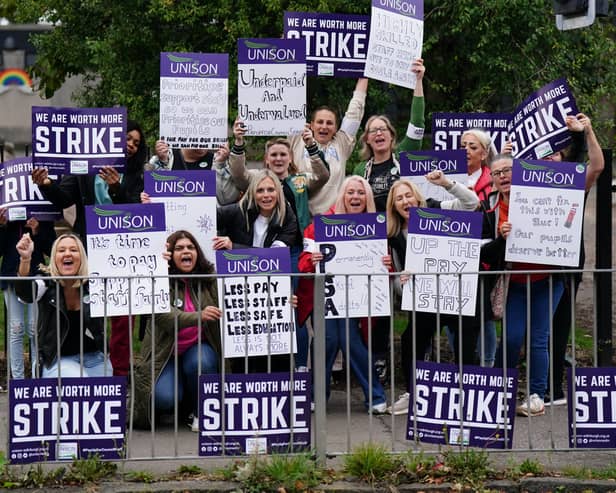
point(66, 319)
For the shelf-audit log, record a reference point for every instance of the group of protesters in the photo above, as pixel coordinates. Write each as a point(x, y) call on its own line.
point(303, 175)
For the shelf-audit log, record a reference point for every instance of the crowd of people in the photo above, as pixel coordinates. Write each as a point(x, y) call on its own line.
point(272, 207)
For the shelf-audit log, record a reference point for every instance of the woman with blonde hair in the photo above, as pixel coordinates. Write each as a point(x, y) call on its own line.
point(479, 154)
point(421, 326)
point(261, 218)
point(63, 311)
point(355, 197)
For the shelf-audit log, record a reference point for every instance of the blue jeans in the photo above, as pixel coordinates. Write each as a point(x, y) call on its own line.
point(489, 344)
point(21, 318)
point(188, 383)
point(335, 339)
point(303, 343)
point(540, 317)
point(94, 365)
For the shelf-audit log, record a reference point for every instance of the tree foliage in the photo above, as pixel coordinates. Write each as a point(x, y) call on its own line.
point(480, 56)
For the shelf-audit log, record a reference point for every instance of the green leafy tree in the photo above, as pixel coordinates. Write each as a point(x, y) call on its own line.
point(480, 56)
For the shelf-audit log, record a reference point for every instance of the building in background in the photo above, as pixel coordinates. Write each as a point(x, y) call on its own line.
point(18, 92)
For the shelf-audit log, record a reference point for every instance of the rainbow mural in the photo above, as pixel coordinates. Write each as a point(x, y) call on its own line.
point(15, 77)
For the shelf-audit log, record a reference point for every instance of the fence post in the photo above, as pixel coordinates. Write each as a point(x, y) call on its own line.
point(603, 280)
point(318, 370)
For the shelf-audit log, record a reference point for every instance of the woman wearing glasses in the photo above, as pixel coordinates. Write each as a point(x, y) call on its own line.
point(379, 141)
point(496, 222)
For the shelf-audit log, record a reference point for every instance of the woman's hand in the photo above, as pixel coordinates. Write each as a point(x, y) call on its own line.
point(167, 254)
point(161, 149)
point(25, 247)
point(222, 154)
point(210, 313)
point(222, 243)
point(110, 175)
point(33, 224)
point(3, 216)
point(387, 262)
point(294, 300)
point(308, 136)
point(439, 178)
point(40, 177)
point(505, 229)
point(404, 278)
point(316, 257)
point(507, 148)
point(418, 68)
point(145, 198)
point(239, 130)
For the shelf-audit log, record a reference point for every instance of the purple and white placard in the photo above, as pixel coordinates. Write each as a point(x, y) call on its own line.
point(480, 414)
point(537, 127)
point(83, 418)
point(336, 44)
point(592, 411)
point(257, 315)
point(194, 99)
point(353, 244)
point(190, 202)
point(125, 246)
point(271, 85)
point(396, 39)
point(254, 414)
point(78, 141)
point(21, 196)
point(416, 164)
point(448, 243)
point(447, 128)
point(546, 211)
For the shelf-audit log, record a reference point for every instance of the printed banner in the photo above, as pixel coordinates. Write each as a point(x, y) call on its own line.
point(396, 39)
point(127, 240)
point(546, 212)
point(84, 417)
point(537, 127)
point(78, 141)
point(271, 80)
point(447, 128)
point(353, 244)
point(417, 164)
point(592, 412)
point(448, 243)
point(257, 313)
point(257, 414)
point(194, 91)
point(336, 44)
point(190, 202)
point(20, 196)
point(481, 415)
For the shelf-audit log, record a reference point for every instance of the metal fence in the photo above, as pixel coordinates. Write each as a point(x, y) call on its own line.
point(342, 422)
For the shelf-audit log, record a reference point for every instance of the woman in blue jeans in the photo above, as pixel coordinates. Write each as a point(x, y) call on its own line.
point(355, 197)
point(189, 332)
point(543, 299)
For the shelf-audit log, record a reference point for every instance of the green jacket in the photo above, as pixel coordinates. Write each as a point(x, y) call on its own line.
point(164, 340)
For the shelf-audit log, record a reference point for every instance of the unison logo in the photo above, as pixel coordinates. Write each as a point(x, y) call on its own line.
point(267, 52)
point(346, 227)
point(114, 219)
point(180, 65)
point(546, 175)
point(177, 185)
point(246, 264)
point(440, 223)
point(425, 164)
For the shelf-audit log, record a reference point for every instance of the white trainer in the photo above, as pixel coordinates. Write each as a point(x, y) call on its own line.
point(379, 408)
point(401, 406)
point(532, 406)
